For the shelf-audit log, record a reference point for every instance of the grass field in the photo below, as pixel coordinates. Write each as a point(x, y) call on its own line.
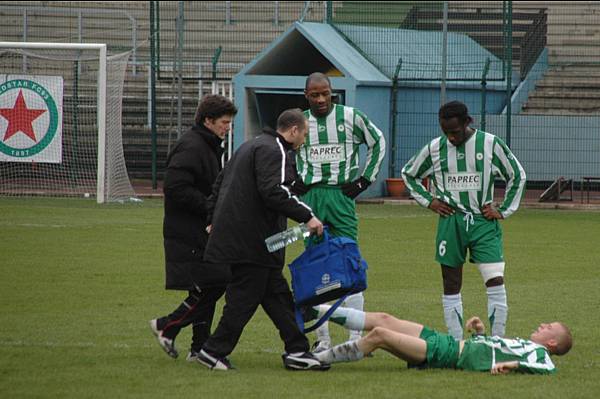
point(80, 282)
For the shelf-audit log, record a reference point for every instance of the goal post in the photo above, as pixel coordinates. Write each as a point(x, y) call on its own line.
point(75, 65)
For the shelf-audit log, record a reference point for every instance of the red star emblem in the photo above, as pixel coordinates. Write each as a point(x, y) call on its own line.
point(20, 118)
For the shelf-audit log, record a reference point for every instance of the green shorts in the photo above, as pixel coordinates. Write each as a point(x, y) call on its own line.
point(333, 209)
point(442, 349)
point(457, 233)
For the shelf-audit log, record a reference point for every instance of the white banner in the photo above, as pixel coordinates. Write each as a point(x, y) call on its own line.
point(31, 118)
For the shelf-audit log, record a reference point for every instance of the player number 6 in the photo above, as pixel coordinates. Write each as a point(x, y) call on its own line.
point(442, 248)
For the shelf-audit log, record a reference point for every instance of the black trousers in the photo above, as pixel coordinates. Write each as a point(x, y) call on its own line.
point(197, 309)
point(250, 286)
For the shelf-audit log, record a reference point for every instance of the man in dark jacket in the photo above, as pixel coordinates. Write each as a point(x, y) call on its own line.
point(192, 167)
point(253, 202)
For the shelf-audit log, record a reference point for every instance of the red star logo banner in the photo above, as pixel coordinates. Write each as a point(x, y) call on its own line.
point(20, 118)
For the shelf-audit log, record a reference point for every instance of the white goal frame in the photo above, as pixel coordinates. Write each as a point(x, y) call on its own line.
point(101, 97)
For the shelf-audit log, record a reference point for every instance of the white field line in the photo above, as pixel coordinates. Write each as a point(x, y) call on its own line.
point(149, 345)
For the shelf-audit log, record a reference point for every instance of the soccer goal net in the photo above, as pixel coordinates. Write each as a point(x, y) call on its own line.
point(60, 121)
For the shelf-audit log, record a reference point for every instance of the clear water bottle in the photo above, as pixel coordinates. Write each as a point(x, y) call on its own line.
point(286, 237)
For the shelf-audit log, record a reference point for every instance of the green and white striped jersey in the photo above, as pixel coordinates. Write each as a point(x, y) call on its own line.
point(481, 353)
point(330, 152)
point(463, 176)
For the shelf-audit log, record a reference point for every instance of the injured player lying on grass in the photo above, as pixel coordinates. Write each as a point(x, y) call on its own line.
point(423, 347)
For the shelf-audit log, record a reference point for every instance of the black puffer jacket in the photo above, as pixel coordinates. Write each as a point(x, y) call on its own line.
point(192, 167)
point(252, 202)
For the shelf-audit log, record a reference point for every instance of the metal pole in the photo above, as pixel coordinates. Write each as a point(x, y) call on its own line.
point(25, 28)
point(228, 13)
point(486, 68)
point(508, 71)
point(328, 12)
point(79, 37)
point(153, 44)
point(179, 67)
point(74, 118)
point(394, 104)
point(444, 55)
point(276, 14)
point(215, 61)
point(134, 44)
point(149, 94)
point(157, 38)
point(304, 11)
point(101, 117)
point(79, 26)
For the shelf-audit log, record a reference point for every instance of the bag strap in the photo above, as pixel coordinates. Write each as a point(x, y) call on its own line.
point(322, 320)
point(314, 239)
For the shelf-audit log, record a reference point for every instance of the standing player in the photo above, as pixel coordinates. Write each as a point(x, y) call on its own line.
point(328, 169)
point(462, 165)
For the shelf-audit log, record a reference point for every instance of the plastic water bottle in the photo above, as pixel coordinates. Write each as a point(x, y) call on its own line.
point(286, 237)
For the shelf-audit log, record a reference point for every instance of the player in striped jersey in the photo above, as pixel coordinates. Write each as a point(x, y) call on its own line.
point(328, 168)
point(462, 165)
point(423, 347)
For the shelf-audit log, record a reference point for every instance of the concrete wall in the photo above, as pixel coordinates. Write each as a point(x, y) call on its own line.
point(375, 103)
point(553, 146)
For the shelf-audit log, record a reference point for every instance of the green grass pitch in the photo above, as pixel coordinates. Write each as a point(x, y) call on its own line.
point(80, 281)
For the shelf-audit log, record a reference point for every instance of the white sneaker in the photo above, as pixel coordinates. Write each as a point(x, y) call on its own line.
point(192, 356)
point(320, 346)
point(214, 363)
point(167, 344)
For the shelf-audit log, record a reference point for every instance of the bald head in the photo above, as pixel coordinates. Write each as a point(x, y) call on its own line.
point(316, 77)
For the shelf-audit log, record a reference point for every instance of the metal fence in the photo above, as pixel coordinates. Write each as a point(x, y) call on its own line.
point(528, 70)
point(213, 40)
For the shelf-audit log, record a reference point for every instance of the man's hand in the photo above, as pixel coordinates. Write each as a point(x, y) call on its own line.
point(315, 226)
point(298, 187)
point(209, 228)
point(490, 213)
point(441, 208)
point(475, 325)
point(504, 367)
point(355, 187)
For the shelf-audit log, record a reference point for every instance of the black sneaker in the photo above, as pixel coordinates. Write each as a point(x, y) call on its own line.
point(167, 344)
point(214, 363)
point(303, 361)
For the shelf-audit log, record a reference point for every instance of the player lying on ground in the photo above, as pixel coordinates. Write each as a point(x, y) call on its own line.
point(422, 346)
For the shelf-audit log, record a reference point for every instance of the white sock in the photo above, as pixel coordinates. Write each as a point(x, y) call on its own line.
point(323, 332)
point(453, 315)
point(346, 352)
point(497, 309)
point(357, 302)
point(351, 319)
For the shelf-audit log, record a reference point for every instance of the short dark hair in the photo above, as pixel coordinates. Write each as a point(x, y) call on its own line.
point(214, 106)
point(290, 118)
point(455, 109)
point(316, 76)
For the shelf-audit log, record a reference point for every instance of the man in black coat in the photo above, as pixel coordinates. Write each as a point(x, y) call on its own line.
point(192, 167)
point(253, 202)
